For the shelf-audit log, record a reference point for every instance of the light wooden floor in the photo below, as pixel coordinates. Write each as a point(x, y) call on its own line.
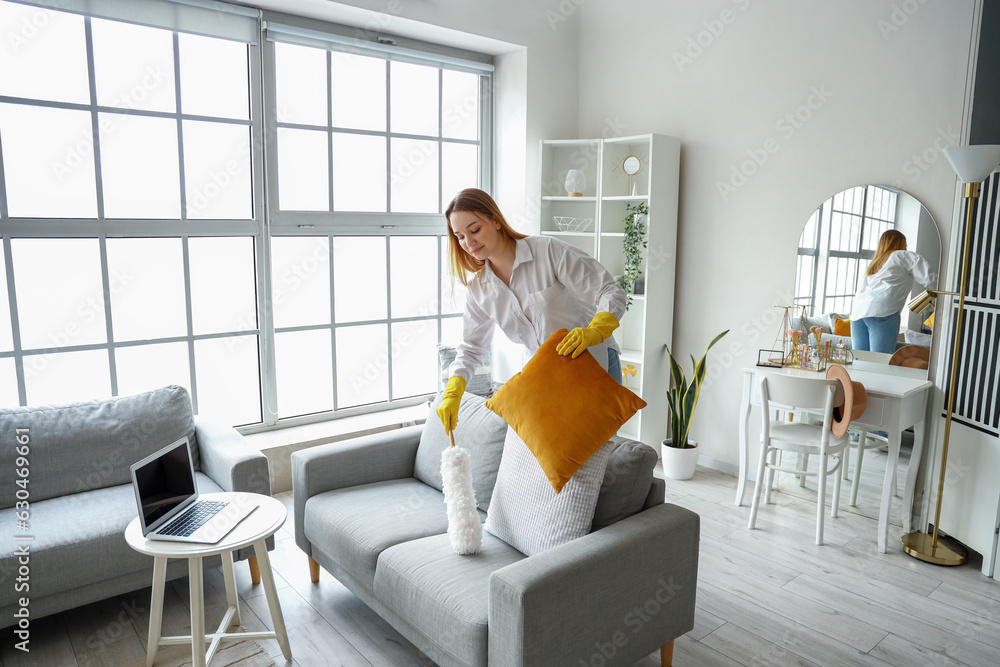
point(765, 597)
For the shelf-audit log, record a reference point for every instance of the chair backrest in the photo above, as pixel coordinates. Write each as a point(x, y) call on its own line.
point(797, 393)
point(912, 356)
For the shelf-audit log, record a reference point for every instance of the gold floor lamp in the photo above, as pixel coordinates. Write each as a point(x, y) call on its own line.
point(973, 165)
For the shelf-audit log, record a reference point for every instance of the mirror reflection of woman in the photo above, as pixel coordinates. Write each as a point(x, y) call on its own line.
point(875, 314)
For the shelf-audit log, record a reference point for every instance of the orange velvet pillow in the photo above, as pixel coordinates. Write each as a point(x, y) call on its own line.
point(564, 409)
point(842, 327)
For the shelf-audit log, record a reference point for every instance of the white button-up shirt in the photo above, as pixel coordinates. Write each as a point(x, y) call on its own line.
point(885, 292)
point(553, 285)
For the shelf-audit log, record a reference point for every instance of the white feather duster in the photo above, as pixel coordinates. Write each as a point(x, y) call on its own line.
point(464, 529)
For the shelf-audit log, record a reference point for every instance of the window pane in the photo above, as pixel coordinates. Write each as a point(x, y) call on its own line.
point(133, 66)
point(66, 377)
point(357, 89)
point(223, 284)
point(6, 336)
point(228, 379)
point(413, 267)
point(145, 367)
point(300, 79)
point(459, 169)
point(452, 291)
point(43, 55)
point(414, 358)
point(303, 170)
point(48, 159)
point(8, 383)
point(217, 171)
point(304, 376)
point(460, 105)
point(60, 297)
point(451, 331)
point(413, 99)
point(414, 176)
point(147, 288)
point(139, 166)
point(359, 284)
point(300, 280)
point(359, 173)
point(220, 90)
point(362, 365)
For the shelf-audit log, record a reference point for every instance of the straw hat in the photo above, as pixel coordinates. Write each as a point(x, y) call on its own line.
point(850, 401)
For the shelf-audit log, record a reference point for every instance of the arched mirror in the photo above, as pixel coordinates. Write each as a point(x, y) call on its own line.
point(835, 247)
point(838, 241)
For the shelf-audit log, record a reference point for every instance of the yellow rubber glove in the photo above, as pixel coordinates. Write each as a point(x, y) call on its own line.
point(579, 339)
point(447, 409)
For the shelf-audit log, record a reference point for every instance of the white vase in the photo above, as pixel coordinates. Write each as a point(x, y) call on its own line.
point(679, 463)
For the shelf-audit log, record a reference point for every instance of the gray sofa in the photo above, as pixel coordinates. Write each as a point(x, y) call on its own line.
point(370, 512)
point(80, 494)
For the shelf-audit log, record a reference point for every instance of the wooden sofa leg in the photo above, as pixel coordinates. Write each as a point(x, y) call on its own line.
point(667, 654)
point(254, 570)
point(313, 570)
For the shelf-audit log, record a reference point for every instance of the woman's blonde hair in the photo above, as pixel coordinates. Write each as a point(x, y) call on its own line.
point(478, 202)
point(890, 241)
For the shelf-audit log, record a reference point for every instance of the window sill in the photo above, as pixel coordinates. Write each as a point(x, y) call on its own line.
point(278, 445)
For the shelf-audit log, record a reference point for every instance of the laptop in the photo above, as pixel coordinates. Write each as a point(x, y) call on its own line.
point(169, 506)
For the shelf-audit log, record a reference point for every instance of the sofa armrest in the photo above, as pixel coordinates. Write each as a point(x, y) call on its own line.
point(229, 460)
point(617, 593)
point(365, 460)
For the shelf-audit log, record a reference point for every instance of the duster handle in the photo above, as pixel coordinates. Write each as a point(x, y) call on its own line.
point(451, 434)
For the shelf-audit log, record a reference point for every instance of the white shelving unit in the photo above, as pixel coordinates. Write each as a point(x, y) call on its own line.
point(647, 327)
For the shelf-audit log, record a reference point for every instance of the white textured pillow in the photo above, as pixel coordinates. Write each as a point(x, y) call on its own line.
point(528, 514)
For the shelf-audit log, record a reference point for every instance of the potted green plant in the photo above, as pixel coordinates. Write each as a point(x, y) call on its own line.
point(680, 454)
point(633, 245)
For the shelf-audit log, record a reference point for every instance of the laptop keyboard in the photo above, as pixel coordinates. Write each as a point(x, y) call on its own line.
point(194, 518)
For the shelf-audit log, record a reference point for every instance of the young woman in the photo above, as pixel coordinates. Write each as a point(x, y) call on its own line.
point(883, 292)
point(529, 286)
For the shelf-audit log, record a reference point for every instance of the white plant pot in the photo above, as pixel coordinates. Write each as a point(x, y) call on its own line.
point(679, 463)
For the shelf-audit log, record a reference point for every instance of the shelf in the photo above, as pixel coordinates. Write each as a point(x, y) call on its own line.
point(567, 198)
point(589, 235)
point(631, 356)
point(618, 234)
point(626, 198)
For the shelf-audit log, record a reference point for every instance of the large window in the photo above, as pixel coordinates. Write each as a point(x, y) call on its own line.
point(837, 243)
point(258, 221)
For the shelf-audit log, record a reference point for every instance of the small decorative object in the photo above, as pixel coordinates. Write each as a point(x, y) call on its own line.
point(576, 183)
point(568, 224)
point(627, 370)
point(682, 399)
point(841, 354)
point(628, 166)
point(634, 246)
point(780, 350)
point(770, 358)
point(465, 532)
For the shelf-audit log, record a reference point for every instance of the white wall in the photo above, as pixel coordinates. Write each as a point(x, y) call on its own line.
point(875, 104)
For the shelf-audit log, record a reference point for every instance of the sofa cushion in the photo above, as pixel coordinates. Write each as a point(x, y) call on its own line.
point(441, 594)
point(528, 514)
point(77, 536)
point(84, 446)
point(356, 524)
point(627, 479)
point(564, 409)
point(479, 430)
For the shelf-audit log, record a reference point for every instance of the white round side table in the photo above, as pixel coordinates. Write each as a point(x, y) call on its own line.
point(254, 530)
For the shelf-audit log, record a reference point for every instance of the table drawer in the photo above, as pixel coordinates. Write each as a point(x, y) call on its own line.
point(873, 414)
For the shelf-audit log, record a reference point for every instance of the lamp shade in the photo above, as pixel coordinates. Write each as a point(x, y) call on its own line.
point(973, 163)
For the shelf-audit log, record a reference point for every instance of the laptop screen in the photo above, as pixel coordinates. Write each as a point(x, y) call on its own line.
point(164, 481)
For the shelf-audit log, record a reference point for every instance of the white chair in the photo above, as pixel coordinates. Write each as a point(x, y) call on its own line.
point(785, 392)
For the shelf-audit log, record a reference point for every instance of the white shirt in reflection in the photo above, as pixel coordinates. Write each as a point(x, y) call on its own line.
point(885, 292)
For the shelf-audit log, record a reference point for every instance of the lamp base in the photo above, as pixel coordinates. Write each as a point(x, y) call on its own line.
point(947, 551)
